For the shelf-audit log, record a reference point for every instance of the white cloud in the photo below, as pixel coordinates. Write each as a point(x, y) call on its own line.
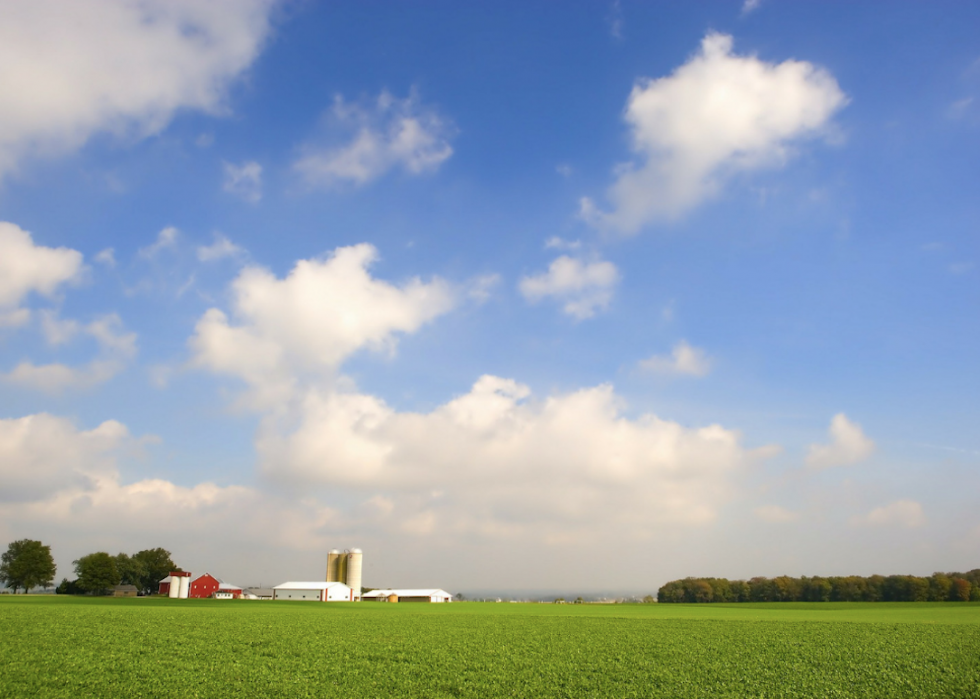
point(583, 287)
point(684, 359)
point(15, 318)
point(311, 321)
point(387, 134)
point(506, 465)
point(64, 484)
point(716, 115)
point(557, 243)
point(219, 249)
point(481, 288)
point(116, 349)
point(750, 6)
point(56, 378)
point(776, 514)
point(166, 239)
point(42, 454)
point(26, 267)
point(902, 513)
point(244, 180)
point(106, 257)
point(71, 70)
point(848, 445)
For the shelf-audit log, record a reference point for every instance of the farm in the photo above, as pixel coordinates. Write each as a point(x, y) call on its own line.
point(70, 647)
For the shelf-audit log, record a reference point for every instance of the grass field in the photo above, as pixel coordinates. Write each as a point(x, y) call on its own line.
point(76, 647)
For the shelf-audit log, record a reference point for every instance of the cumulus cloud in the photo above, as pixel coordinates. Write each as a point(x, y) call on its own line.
point(116, 348)
point(848, 445)
point(219, 249)
point(42, 454)
point(166, 240)
point(71, 70)
point(311, 321)
point(26, 267)
point(750, 6)
point(584, 288)
point(683, 360)
point(390, 133)
point(244, 180)
point(106, 257)
point(902, 513)
point(716, 115)
point(505, 464)
point(64, 484)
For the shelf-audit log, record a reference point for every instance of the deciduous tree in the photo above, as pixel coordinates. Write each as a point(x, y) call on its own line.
point(97, 572)
point(27, 564)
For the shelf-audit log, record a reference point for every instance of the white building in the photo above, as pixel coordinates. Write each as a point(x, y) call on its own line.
point(407, 596)
point(313, 591)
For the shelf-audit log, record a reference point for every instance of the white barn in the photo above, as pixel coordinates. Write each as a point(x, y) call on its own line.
point(313, 591)
point(407, 596)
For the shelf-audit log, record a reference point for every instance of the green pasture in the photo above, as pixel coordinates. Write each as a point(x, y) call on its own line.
point(87, 647)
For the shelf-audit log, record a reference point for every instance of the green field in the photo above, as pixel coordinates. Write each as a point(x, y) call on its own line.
point(77, 647)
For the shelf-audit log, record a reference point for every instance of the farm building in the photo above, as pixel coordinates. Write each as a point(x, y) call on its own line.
point(257, 593)
point(407, 596)
point(176, 585)
point(124, 591)
point(313, 591)
point(209, 586)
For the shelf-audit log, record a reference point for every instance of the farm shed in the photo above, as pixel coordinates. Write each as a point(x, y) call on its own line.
point(407, 596)
point(209, 586)
point(257, 593)
point(124, 591)
point(313, 591)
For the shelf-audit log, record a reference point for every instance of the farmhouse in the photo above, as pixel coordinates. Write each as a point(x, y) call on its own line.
point(209, 586)
point(407, 596)
point(313, 591)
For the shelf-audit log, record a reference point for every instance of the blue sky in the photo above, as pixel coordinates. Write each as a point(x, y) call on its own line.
point(682, 289)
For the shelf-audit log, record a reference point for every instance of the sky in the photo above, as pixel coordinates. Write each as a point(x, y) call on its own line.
point(511, 295)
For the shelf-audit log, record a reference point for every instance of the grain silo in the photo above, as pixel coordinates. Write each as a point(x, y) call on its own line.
point(354, 565)
point(333, 566)
point(346, 568)
point(185, 585)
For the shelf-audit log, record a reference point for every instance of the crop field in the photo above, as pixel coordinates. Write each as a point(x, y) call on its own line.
point(77, 647)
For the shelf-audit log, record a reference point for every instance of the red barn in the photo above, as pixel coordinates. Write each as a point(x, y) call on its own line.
point(207, 586)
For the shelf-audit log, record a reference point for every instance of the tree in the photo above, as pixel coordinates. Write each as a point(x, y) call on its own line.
point(961, 590)
point(132, 570)
point(96, 572)
point(27, 564)
point(156, 564)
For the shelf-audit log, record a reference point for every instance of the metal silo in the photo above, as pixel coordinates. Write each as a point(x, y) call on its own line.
point(342, 568)
point(185, 586)
point(355, 562)
point(174, 592)
point(333, 566)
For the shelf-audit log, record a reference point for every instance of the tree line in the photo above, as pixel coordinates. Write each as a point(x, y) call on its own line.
point(27, 564)
point(938, 587)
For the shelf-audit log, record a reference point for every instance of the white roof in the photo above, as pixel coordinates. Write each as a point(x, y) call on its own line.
point(309, 586)
point(169, 578)
point(407, 593)
point(226, 586)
